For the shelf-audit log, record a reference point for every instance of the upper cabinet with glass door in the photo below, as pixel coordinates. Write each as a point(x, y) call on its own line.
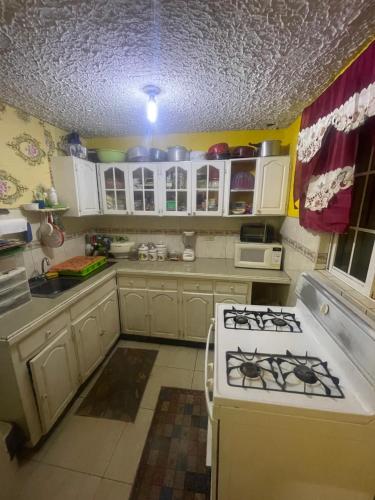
point(114, 188)
point(176, 188)
point(239, 187)
point(207, 187)
point(143, 181)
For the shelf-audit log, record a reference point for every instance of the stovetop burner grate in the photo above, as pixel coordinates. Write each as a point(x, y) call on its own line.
point(266, 321)
point(282, 372)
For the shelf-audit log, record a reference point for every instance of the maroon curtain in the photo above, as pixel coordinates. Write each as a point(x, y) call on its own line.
point(327, 146)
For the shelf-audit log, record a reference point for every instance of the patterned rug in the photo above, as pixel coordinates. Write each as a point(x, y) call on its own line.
point(173, 463)
point(118, 391)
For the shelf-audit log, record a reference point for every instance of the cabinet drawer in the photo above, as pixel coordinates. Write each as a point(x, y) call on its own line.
point(92, 298)
point(131, 282)
point(197, 286)
point(231, 287)
point(162, 284)
point(38, 338)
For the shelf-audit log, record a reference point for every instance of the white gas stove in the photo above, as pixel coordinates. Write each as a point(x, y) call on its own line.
point(311, 366)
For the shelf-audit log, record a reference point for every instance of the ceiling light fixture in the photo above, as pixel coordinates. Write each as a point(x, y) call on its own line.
point(152, 106)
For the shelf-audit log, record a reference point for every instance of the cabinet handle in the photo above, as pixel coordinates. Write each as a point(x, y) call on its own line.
point(232, 289)
point(162, 285)
point(48, 333)
point(101, 333)
point(45, 396)
point(197, 287)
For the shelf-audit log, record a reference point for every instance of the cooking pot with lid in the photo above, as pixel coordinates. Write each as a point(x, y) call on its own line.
point(177, 153)
point(268, 148)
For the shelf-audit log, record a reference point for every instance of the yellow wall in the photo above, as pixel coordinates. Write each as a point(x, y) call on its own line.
point(26, 147)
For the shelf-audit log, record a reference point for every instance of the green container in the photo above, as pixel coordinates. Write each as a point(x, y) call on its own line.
point(87, 269)
point(110, 155)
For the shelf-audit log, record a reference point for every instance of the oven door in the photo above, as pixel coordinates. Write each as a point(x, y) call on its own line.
point(208, 388)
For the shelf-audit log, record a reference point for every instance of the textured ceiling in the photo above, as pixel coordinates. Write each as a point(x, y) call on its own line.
point(226, 64)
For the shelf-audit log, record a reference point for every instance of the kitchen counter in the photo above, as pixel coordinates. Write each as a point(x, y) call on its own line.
point(38, 310)
point(29, 316)
point(203, 268)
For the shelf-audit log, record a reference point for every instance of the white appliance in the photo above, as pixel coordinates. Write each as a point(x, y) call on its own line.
point(258, 255)
point(121, 249)
point(188, 238)
point(291, 400)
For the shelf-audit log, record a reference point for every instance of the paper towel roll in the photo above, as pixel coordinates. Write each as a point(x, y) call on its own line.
point(10, 226)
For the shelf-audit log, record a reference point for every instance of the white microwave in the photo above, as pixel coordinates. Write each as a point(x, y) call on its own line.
point(258, 255)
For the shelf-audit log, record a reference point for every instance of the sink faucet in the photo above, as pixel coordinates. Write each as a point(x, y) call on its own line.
point(45, 262)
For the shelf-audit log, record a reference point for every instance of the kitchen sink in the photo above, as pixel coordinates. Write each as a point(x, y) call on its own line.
point(43, 287)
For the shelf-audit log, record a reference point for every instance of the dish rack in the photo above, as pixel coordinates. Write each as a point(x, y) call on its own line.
point(14, 289)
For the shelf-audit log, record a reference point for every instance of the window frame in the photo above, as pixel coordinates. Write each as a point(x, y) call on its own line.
point(366, 288)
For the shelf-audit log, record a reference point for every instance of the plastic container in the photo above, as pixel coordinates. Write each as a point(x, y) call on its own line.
point(143, 252)
point(12, 291)
point(80, 266)
point(10, 303)
point(12, 278)
point(110, 155)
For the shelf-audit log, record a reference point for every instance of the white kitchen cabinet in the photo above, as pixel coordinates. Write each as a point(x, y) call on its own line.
point(230, 299)
point(55, 377)
point(114, 192)
point(87, 333)
point(197, 314)
point(76, 184)
point(163, 312)
point(207, 187)
point(271, 185)
point(175, 188)
point(109, 321)
point(134, 311)
point(144, 188)
point(256, 186)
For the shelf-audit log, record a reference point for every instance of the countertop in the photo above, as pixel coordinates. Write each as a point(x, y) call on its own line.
point(38, 310)
point(203, 268)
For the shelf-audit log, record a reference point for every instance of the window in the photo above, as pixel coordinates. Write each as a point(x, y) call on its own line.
point(353, 253)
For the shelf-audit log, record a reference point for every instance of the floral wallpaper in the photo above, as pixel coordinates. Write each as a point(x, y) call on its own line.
point(27, 146)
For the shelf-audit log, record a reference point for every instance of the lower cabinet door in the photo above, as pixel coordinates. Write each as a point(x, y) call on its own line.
point(229, 299)
point(109, 321)
point(163, 310)
point(88, 339)
point(134, 311)
point(197, 313)
point(55, 377)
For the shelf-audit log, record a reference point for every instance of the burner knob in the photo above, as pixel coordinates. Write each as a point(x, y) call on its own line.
point(324, 309)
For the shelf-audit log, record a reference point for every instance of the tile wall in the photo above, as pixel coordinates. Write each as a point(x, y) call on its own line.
point(303, 251)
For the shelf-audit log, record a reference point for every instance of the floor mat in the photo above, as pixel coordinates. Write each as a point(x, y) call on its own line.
point(118, 391)
point(173, 463)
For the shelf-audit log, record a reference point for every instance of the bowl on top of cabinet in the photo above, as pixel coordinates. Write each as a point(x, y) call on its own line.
point(110, 155)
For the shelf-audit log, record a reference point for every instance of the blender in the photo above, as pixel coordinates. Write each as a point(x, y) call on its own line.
point(189, 241)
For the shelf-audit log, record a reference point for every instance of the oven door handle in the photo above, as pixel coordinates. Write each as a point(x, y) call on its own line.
point(208, 383)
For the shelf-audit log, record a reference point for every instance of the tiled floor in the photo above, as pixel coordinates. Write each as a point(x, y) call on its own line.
point(89, 458)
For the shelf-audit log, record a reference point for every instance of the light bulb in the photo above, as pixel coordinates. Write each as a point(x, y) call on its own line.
point(152, 109)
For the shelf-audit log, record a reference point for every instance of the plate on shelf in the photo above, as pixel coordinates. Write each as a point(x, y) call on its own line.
point(238, 211)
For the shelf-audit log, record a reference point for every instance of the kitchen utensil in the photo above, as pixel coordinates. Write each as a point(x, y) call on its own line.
point(110, 155)
point(158, 155)
point(197, 155)
point(45, 229)
point(30, 206)
point(120, 250)
point(270, 148)
point(79, 266)
point(188, 238)
point(218, 156)
point(242, 180)
point(56, 238)
point(177, 153)
point(219, 148)
point(138, 153)
point(244, 151)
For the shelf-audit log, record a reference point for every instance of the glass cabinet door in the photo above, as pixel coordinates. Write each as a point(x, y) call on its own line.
point(113, 188)
point(143, 189)
point(208, 187)
point(176, 188)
